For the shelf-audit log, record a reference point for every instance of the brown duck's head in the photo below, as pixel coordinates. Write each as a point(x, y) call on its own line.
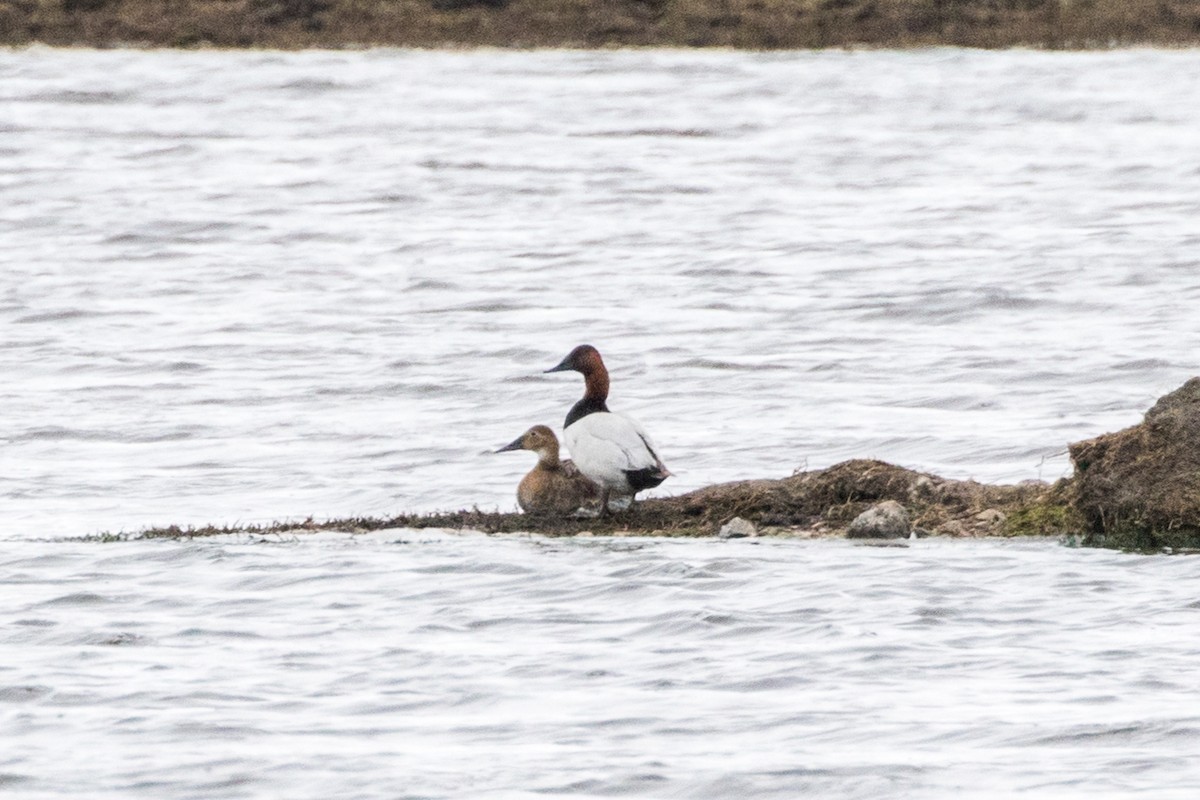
point(539, 439)
point(585, 359)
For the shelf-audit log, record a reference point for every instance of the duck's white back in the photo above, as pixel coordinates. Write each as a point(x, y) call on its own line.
point(605, 445)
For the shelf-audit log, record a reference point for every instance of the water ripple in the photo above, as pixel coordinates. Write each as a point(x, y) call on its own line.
point(254, 286)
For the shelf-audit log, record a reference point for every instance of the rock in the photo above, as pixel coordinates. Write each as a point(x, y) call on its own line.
point(886, 520)
point(991, 518)
point(737, 528)
point(1139, 488)
point(618, 503)
point(951, 527)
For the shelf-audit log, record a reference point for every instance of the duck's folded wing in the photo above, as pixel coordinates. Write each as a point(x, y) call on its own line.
point(648, 442)
point(614, 440)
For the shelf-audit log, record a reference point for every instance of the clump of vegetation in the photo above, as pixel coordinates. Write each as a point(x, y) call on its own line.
point(1139, 488)
point(1043, 519)
point(751, 24)
point(1136, 535)
point(309, 15)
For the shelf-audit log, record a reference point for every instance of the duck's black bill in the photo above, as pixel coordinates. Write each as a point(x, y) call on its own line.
point(562, 366)
point(513, 445)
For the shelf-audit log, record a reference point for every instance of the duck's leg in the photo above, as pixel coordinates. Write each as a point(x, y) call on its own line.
point(604, 501)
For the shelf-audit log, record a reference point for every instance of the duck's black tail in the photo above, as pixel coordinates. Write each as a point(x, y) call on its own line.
point(647, 478)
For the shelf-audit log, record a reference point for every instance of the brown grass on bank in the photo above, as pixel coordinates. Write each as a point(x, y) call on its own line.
point(1139, 488)
point(816, 503)
point(751, 24)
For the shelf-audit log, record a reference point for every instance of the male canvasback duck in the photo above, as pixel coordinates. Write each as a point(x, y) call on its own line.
point(611, 449)
point(553, 486)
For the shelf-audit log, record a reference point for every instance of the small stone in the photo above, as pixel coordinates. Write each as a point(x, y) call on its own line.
point(619, 503)
point(738, 528)
point(886, 520)
point(991, 517)
point(951, 528)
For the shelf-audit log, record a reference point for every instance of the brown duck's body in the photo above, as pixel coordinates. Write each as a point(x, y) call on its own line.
point(557, 489)
point(553, 486)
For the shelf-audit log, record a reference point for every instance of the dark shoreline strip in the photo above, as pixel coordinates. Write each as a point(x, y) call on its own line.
point(741, 24)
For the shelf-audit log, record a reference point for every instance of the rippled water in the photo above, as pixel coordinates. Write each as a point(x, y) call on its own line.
point(396, 665)
point(245, 286)
point(253, 286)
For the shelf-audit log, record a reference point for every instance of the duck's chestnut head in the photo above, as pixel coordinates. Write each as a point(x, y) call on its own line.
point(584, 358)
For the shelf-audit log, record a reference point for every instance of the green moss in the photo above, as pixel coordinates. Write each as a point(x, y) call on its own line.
point(1137, 537)
point(1042, 519)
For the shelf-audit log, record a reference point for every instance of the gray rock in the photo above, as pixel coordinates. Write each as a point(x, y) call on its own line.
point(952, 527)
point(738, 528)
point(886, 520)
point(991, 518)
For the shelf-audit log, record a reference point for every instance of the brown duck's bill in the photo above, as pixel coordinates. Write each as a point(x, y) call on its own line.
point(562, 366)
point(515, 444)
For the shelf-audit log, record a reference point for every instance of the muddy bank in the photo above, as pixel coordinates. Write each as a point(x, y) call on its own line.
point(1139, 488)
point(820, 503)
point(750, 24)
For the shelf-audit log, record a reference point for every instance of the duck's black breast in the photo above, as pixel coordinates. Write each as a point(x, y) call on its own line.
point(585, 406)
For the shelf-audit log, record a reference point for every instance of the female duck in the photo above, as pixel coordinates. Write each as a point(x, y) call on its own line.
point(553, 486)
point(611, 449)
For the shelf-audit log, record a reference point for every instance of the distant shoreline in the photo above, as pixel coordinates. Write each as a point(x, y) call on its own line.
point(532, 24)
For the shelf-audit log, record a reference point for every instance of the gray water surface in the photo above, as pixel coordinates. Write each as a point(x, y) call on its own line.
point(242, 287)
point(252, 286)
point(426, 665)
